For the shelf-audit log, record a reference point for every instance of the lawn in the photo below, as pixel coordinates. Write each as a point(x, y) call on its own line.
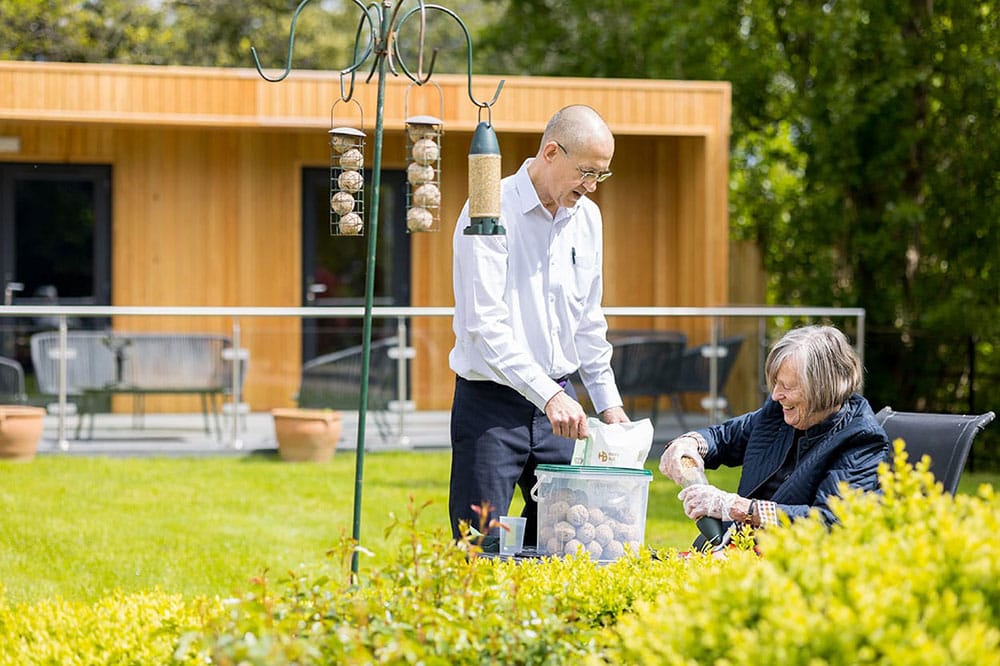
point(80, 528)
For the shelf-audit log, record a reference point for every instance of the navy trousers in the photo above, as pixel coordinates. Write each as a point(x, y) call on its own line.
point(497, 439)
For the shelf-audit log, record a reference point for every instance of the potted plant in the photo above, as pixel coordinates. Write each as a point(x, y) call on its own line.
point(20, 431)
point(306, 435)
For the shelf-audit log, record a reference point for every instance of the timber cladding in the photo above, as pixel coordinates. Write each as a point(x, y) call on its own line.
point(207, 189)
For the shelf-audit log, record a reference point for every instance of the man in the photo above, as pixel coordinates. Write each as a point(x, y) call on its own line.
point(527, 315)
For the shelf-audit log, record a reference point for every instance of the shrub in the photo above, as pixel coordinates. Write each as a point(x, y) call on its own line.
point(438, 603)
point(911, 577)
point(120, 629)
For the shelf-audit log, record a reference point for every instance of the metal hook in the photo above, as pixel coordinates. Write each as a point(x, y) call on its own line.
point(358, 61)
point(291, 48)
point(468, 41)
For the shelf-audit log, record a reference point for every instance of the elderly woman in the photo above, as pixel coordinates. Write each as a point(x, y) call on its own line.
point(813, 432)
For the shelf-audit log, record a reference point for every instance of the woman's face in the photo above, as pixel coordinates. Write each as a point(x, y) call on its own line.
point(788, 392)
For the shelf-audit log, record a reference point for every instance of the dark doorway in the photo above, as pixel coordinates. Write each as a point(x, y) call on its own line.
point(55, 243)
point(333, 267)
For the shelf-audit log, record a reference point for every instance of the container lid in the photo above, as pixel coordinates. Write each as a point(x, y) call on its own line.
point(593, 469)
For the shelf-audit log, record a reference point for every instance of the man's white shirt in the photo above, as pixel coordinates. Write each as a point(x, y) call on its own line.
point(528, 303)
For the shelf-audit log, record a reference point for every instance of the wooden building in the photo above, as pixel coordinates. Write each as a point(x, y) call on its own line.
point(206, 170)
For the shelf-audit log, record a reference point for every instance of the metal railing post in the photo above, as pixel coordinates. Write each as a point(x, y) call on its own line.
point(234, 440)
point(713, 373)
point(63, 354)
point(402, 353)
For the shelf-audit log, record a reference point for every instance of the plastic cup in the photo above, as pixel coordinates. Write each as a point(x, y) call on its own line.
point(512, 538)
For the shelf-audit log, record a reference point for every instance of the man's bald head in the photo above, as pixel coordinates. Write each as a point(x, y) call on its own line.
point(577, 127)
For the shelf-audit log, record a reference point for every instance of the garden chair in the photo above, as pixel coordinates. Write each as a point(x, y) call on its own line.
point(946, 438)
point(693, 374)
point(333, 381)
point(12, 382)
point(645, 365)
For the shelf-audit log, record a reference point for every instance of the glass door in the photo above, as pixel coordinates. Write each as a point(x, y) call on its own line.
point(333, 267)
point(55, 244)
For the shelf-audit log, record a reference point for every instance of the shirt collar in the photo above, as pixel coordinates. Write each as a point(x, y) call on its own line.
point(527, 195)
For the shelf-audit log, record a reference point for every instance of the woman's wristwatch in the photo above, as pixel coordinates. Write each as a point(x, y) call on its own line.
point(750, 511)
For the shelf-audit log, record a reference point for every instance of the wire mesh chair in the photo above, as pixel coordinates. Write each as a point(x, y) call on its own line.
point(333, 381)
point(12, 389)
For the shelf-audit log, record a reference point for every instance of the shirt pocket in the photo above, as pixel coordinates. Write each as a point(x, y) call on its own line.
point(586, 270)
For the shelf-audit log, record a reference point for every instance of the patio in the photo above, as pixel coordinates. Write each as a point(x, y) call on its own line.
point(166, 435)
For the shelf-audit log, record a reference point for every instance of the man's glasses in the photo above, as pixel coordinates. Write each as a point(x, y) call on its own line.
point(588, 175)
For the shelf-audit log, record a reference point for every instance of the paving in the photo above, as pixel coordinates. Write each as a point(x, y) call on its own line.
point(184, 435)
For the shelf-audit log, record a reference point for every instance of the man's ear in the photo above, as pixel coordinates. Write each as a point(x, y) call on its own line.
point(550, 151)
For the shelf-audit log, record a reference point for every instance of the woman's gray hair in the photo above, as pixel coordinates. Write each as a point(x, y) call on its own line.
point(829, 368)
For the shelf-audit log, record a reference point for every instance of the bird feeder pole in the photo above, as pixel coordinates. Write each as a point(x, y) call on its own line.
point(383, 21)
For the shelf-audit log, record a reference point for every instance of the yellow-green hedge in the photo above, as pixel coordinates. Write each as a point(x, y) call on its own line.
point(911, 578)
point(120, 629)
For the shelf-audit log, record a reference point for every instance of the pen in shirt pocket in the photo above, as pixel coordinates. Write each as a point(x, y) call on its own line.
point(574, 256)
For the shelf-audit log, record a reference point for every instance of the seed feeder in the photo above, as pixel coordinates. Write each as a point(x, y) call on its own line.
point(347, 178)
point(423, 170)
point(484, 183)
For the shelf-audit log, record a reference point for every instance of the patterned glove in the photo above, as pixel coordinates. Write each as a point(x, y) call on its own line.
point(705, 500)
point(670, 461)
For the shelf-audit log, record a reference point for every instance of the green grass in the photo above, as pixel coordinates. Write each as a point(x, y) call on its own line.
point(80, 528)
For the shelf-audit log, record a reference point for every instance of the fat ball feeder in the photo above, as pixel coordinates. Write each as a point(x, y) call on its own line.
point(376, 39)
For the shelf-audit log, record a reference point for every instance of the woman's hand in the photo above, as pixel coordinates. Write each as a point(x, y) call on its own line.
point(684, 446)
point(706, 500)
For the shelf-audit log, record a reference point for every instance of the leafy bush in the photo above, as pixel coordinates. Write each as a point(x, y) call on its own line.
point(121, 629)
point(909, 578)
point(438, 603)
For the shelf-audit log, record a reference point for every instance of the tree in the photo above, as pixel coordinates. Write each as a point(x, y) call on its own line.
point(81, 31)
point(864, 151)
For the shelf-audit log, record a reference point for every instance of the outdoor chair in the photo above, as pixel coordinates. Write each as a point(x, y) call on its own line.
point(333, 381)
point(645, 366)
point(12, 382)
point(946, 438)
point(102, 364)
point(693, 373)
point(622, 334)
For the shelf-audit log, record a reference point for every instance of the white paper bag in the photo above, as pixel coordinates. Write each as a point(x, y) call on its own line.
point(615, 444)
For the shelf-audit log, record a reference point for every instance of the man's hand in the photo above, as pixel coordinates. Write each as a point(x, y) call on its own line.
point(614, 415)
point(566, 416)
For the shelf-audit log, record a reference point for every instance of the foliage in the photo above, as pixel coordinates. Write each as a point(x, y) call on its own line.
point(437, 603)
point(909, 576)
point(219, 33)
point(864, 142)
point(81, 31)
point(140, 628)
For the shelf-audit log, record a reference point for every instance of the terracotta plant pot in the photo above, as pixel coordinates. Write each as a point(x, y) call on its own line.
point(306, 435)
point(20, 430)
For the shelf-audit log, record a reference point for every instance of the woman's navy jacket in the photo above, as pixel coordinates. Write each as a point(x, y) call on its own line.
point(848, 446)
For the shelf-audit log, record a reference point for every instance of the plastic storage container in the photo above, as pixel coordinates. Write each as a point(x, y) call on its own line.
point(600, 510)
